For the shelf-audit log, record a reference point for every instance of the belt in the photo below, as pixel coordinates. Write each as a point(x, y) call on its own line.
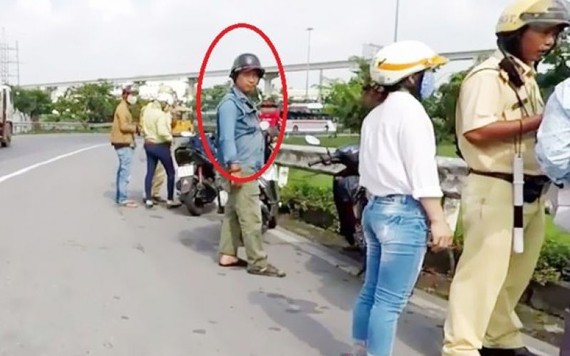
point(534, 186)
point(508, 176)
point(157, 143)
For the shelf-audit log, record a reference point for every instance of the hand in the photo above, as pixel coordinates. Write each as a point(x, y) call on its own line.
point(535, 122)
point(441, 236)
point(235, 170)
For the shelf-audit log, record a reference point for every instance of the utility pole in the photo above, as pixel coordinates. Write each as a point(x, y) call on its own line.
point(396, 20)
point(6, 59)
point(309, 29)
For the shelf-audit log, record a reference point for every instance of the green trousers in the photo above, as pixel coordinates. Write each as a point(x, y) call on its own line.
point(242, 224)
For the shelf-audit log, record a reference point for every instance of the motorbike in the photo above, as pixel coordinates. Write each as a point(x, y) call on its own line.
point(270, 182)
point(198, 185)
point(349, 197)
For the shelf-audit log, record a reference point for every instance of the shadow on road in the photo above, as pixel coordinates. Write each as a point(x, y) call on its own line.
point(336, 288)
point(200, 240)
point(295, 316)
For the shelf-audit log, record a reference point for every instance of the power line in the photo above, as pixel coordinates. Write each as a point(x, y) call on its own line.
point(8, 56)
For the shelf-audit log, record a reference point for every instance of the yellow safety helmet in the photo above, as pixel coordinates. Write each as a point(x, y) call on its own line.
point(521, 13)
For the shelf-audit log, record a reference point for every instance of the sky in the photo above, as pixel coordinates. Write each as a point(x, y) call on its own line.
point(63, 40)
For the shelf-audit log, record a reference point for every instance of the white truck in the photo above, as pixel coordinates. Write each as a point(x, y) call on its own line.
point(6, 115)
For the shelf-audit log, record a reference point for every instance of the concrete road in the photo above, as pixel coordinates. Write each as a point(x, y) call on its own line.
point(79, 276)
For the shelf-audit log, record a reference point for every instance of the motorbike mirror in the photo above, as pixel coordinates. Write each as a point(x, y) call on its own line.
point(264, 125)
point(186, 134)
point(312, 140)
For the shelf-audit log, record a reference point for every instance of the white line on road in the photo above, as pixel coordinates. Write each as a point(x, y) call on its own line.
point(43, 163)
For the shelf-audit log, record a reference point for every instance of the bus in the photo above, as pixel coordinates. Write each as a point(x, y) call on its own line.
point(309, 118)
point(301, 118)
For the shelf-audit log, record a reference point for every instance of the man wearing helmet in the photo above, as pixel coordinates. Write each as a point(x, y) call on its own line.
point(241, 147)
point(498, 112)
point(398, 168)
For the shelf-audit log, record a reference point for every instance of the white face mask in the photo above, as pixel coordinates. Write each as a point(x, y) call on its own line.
point(131, 99)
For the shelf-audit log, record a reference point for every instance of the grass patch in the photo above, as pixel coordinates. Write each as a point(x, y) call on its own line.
point(444, 149)
point(312, 194)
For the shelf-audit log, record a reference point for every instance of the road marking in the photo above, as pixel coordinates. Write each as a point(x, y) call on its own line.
point(51, 160)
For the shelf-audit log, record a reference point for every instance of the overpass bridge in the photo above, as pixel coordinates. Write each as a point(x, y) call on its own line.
point(271, 73)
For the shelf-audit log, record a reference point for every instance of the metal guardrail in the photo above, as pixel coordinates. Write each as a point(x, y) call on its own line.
point(45, 126)
point(452, 171)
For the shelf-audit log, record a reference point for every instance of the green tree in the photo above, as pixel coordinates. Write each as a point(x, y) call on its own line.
point(89, 103)
point(211, 97)
point(441, 106)
point(32, 102)
point(558, 68)
point(343, 100)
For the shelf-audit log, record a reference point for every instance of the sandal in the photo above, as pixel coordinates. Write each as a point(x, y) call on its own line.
point(238, 263)
point(268, 271)
point(129, 204)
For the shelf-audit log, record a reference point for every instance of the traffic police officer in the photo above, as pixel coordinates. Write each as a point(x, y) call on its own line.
point(498, 112)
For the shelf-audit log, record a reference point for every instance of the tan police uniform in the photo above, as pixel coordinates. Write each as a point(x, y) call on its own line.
point(490, 279)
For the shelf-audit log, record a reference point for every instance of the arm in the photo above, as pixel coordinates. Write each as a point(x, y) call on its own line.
point(227, 117)
point(553, 140)
point(124, 123)
point(479, 99)
point(164, 129)
point(418, 151)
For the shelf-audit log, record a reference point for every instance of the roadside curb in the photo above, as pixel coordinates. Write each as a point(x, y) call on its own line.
point(433, 305)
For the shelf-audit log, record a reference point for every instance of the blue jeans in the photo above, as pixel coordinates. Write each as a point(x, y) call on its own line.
point(125, 155)
point(154, 153)
point(395, 228)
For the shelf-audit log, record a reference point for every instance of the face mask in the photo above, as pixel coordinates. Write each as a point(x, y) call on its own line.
point(131, 99)
point(427, 86)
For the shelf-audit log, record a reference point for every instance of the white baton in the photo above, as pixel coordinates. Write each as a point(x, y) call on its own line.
point(518, 201)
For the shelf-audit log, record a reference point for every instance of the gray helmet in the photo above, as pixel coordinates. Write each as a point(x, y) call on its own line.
point(246, 61)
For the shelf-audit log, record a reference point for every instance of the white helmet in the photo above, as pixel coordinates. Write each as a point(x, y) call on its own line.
point(401, 59)
point(165, 98)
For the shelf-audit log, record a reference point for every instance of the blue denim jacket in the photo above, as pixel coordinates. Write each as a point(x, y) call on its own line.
point(553, 137)
point(239, 139)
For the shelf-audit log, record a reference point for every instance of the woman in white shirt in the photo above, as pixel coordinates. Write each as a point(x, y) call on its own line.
point(399, 170)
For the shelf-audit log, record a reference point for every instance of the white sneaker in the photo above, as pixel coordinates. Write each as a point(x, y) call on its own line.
point(173, 203)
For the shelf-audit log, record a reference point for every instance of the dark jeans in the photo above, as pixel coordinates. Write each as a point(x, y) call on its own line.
point(154, 154)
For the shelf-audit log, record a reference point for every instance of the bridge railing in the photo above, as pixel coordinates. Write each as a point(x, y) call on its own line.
point(28, 127)
point(452, 172)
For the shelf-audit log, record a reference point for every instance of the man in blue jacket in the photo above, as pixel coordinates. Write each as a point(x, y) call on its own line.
point(240, 145)
point(553, 154)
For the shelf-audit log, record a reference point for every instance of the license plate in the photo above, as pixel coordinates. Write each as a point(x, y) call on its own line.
point(186, 171)
point(283, 176)
point(270, 173)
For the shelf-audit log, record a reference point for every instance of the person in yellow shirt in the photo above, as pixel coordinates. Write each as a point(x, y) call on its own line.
point(159, 174)
point(157, 131)
point(499, 109)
